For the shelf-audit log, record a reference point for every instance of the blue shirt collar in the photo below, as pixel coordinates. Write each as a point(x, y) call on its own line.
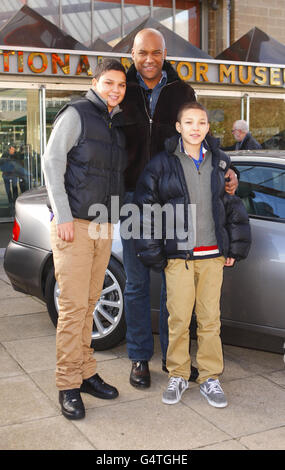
point(161, 82)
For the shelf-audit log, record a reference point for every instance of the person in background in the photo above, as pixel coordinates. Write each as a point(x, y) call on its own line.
point(8, 165)
point(244, 139)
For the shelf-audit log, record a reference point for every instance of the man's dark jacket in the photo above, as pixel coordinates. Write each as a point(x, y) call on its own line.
point(248, 143)
point(144, 138)
point(163, 182)
point(96, 165)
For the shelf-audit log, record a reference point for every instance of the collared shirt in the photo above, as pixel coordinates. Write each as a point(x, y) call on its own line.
point(154, 93)
point(201, 157)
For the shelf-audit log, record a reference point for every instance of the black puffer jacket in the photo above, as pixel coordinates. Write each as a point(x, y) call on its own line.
point(144, 139)
point(163, 181)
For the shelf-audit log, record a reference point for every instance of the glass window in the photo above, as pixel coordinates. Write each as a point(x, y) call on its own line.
point(20, 167)
point(267, 122)
point(76, 19)
point(107, 21)
point(7, 9)
point(49, 10)
point(262, 190)
point(55, 100)
point(222, 113)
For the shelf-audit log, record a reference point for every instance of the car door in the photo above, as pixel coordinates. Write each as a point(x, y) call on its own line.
point(254, 290)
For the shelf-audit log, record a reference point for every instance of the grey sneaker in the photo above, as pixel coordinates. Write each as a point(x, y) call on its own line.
point(212, 390)
point(173, 393)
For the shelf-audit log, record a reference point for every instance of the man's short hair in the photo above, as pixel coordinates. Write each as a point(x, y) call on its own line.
point(106, 65)
point(241, 125)
point(191, 105)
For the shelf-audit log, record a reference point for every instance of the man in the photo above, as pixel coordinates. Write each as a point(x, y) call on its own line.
point(154, 95)
point(84, 165)
point(244, 139)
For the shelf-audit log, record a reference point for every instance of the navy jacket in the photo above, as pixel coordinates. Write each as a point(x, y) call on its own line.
point(163, 182)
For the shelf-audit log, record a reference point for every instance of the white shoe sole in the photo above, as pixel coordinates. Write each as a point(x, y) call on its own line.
point(166, 401)
point(213, 403)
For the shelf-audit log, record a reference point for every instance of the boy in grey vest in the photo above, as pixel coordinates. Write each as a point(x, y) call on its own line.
point(84, 165)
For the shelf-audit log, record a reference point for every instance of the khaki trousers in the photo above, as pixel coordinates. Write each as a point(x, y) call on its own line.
point(79, 270)
point(200, 283)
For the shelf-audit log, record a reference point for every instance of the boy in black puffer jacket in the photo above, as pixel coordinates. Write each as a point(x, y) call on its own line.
point(203, 229)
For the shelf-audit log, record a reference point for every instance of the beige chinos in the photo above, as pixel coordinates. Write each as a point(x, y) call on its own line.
point(79, 270)
point(201, 284)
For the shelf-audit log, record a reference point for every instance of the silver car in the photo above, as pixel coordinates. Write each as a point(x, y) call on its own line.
point(253, 295)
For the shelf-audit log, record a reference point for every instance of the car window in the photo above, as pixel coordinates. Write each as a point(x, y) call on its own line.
point(262, 190)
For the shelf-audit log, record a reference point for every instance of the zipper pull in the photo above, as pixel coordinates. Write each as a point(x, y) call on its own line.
point(187, 259)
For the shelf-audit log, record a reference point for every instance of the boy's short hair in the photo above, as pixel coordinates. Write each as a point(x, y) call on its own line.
point(106, 65)
point(191, 105)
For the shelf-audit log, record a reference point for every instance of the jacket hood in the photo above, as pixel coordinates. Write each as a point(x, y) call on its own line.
point(100, 103)
point(172, 75)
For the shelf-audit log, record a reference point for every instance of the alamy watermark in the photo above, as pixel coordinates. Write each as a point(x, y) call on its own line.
point(153, 221)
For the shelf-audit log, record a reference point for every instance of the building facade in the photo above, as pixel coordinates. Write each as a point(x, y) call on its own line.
point(49, 48)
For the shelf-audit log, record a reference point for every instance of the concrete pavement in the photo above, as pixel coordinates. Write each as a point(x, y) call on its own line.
point(30, 417)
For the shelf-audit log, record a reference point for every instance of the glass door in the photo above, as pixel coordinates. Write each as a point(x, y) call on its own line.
point(20, 167)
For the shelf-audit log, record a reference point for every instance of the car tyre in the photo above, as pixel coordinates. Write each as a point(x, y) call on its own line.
point(109, 326)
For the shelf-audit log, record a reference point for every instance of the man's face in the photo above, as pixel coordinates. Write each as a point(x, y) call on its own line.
point(238, 134)
point(148, 54)
point(12, 150)
point(111, 86)
point(193, 126)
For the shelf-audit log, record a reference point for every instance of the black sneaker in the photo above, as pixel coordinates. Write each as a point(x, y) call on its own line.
point(72, 406)
point(193, 375)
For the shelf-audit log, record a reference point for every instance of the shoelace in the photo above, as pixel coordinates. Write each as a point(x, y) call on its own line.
point(214, 386)
point(173, 381)
point(73, 395)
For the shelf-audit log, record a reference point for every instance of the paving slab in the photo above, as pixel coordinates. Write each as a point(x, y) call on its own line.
point(34, 353)
point(8, 366)
point(255, 404)
point(147, 423)
point(44, 434)
point(274, 439)
point(252, 361)
point(25, 326)
point(23, 401)
point(6, 290)
point(20, 306)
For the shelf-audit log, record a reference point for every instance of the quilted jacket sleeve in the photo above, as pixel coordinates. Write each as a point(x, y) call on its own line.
point(238, 227)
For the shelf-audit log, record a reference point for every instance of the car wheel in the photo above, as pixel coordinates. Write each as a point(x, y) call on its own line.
point(109, 327)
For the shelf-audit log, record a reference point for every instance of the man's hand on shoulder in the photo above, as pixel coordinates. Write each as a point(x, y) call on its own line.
point(231, 182)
